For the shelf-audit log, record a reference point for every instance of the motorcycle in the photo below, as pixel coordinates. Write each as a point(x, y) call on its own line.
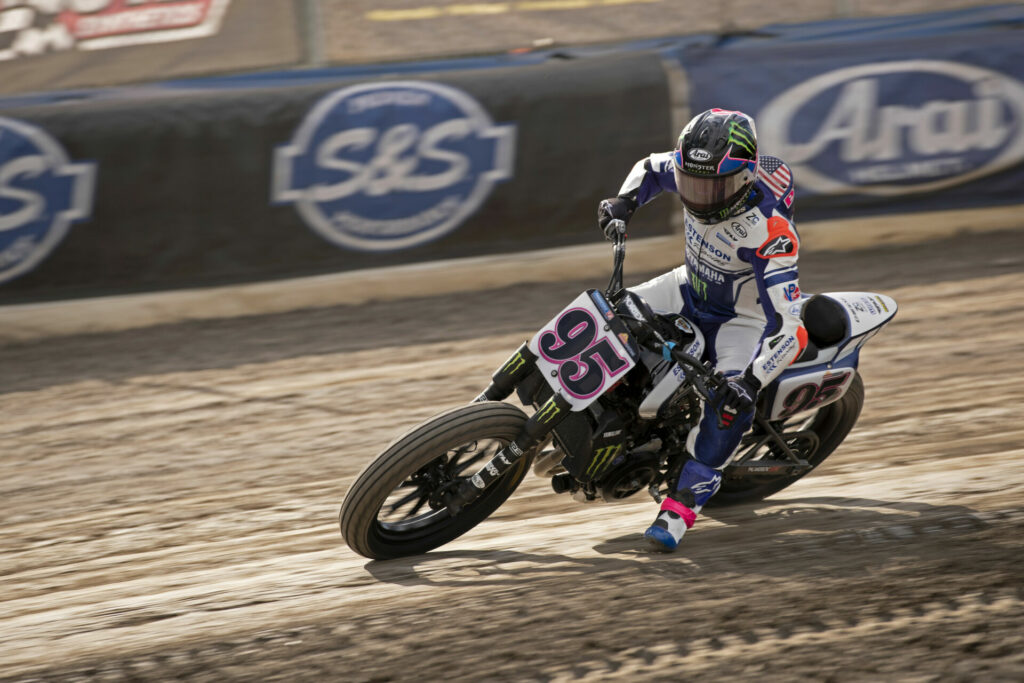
point(615, 388)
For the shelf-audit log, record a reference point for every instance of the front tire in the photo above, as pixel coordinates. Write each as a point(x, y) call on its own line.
point(394, 508)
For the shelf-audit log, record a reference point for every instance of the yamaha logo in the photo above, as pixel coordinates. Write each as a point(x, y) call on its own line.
point(878, 135)
point(392, 165)
point(699, 154)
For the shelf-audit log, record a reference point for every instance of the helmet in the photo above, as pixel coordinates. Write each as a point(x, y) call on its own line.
point(715, 163)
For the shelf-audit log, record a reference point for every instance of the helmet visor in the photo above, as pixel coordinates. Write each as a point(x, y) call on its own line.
point(707, 195)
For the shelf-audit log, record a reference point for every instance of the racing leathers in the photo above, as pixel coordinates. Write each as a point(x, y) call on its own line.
point(739, 285)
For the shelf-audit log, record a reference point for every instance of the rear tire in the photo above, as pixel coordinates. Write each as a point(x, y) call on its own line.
point(421, 463)
point(832, 423)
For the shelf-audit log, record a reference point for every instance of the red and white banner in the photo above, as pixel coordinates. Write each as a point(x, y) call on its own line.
point(35, 27)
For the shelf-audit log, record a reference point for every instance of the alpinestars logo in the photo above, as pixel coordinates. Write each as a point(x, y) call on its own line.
point(36, 27)
point(707, 487)
point(780, 246)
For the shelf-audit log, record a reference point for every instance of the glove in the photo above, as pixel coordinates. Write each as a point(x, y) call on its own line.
point(620, 208)
point(738, 393)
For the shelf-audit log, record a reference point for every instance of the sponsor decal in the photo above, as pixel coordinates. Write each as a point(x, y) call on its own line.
point(392, 165)
point(492, 469)
point(548, 411)
point(788, 201)
point(796, 309)
point(35, 27)
point(781, 240)
point(42, 192)
point(791, 292)
point(602, 457)
point(624, 338)
point(634, 310)
point(478, 481)
point(774, 341)
point(778, 246)
point(515, 449)
point(899, 127)
point(514, 363)
point(882, 304)
point(697, 241)
point(602, 305)
point(708, 487)
point(770, 365)
point(724, 239)
point(504, 461)
point(739, 229)
point(684, 325)
point(699, 155)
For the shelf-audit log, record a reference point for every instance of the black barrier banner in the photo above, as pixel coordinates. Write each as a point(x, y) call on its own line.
point(216, 187)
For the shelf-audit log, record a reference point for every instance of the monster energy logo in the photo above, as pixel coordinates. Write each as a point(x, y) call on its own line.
point(602, 457)
point(738, 136)
point(548, 411)
point(514, 363)
point(699, 285)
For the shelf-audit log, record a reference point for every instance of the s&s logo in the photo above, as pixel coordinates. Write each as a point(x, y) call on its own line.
point(392, 165)
point(893, 128)
point(41, 193)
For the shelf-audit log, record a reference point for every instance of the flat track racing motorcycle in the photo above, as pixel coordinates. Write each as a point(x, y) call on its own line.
point(615, 388)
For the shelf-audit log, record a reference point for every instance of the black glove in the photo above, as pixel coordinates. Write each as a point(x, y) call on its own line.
point(621, 208)
point(738, 393)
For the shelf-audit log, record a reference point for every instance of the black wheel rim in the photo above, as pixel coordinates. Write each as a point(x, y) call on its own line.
point(417, 503)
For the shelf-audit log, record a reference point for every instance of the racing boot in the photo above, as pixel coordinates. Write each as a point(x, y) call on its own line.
point(697, 483)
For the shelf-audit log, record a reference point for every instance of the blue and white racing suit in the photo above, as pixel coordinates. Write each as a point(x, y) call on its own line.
point(739, 285)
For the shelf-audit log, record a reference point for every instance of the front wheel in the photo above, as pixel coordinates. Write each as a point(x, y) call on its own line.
point(813, 436)
point(396, 508)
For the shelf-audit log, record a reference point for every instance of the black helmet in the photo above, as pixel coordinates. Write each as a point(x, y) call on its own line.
point(716, 163)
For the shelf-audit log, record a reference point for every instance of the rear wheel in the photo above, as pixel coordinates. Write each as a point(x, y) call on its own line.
point(396, 508)
point(812, 436)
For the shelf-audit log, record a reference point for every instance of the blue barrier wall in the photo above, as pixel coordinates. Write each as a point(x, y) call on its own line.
point(880, 116)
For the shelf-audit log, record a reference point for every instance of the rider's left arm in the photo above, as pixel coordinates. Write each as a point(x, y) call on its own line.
point(775, 270)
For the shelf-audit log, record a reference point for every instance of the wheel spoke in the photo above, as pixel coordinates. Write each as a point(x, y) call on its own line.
point(418, 506)
point(418, 493)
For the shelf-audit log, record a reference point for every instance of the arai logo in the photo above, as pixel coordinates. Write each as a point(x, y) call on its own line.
point(392, 165)
point(699, 154)
point(41, 193)
point(897, 127)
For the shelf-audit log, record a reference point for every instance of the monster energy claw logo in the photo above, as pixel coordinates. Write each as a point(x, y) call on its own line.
point(602, 457)
point(514, 363)
point(548, 411)
point(738, 136)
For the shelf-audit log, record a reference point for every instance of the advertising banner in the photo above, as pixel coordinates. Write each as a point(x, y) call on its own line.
point(916, 122)
point(193, 188)
point(56, 44)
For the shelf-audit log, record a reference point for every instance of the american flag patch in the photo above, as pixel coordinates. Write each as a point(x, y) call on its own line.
point(775, 175)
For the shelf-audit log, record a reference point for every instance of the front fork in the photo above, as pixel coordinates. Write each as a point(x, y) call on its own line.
point(534, 431)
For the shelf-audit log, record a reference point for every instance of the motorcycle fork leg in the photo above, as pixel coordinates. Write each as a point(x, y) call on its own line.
point(504, 381)
point(534, 432)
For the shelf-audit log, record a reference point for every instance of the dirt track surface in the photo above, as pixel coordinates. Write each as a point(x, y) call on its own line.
point(170, 499)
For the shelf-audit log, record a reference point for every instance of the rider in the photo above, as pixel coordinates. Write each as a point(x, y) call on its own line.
point(738, 283)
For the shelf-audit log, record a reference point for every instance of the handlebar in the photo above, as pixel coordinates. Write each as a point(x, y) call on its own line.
point(704, 378)
point(617, 231)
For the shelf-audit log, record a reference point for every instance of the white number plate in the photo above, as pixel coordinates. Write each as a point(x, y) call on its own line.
point(579, 354)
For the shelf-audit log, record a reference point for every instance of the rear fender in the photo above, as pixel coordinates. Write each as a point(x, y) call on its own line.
point(825, 376)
